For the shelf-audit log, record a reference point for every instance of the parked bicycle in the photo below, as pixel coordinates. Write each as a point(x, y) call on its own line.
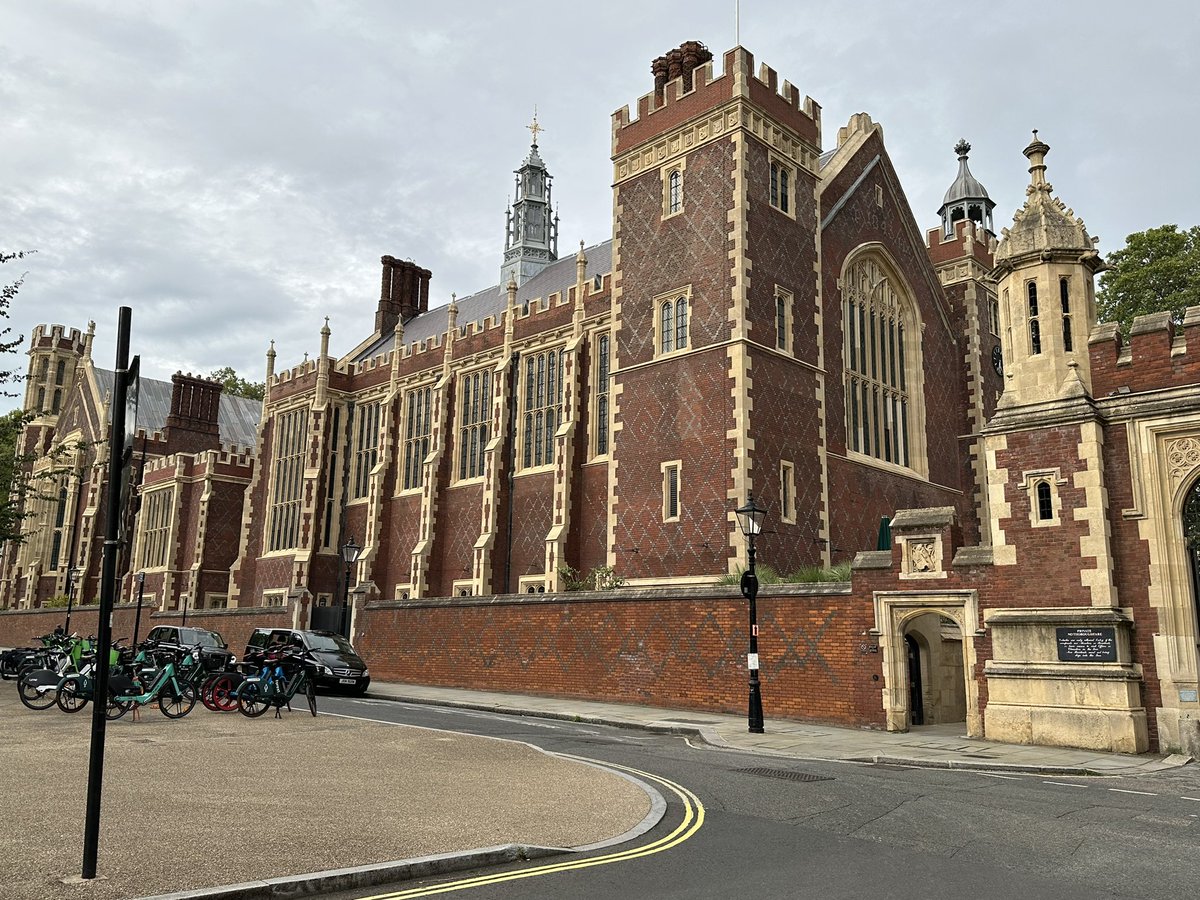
point(285, 673)
point(173, 692)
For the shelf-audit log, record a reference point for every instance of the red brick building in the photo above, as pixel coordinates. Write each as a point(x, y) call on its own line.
point(768, 317)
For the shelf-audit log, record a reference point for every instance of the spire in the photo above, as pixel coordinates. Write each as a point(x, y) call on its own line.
point(530, 227)
point(1044, 223)
point(966, 198)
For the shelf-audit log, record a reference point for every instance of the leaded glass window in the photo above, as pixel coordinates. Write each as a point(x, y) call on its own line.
point(877, 322)
point(474, 405)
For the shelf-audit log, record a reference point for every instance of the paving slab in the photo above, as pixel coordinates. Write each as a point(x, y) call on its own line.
point(217, 799)
point(938, 745)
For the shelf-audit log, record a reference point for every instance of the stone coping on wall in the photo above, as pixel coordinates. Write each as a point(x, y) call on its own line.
point(1095, 615)
point(872, 559)
point(929, 517)
point(627, 595)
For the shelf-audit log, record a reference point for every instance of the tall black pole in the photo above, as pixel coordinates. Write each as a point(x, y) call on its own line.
point(108, 585)
point(750, 592)
point(183, 624)
point(70, 597)
point(137, 619)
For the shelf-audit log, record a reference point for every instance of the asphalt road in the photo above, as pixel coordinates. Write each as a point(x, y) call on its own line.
point(743, 825)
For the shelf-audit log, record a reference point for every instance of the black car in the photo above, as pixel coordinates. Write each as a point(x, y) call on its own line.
point(338, 664)
point(214, 652)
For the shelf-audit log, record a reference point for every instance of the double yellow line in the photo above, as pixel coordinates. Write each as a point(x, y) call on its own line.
point(693, 818)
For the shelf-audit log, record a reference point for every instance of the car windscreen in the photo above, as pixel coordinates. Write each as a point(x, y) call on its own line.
point(329, 642)
point(191, 636)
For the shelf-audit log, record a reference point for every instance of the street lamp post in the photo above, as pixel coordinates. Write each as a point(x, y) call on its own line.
point(750, 520)
point(350, 552)
point(137, 619)
point(72, 573)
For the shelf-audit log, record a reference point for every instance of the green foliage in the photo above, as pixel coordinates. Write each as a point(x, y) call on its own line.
point(1158, 269)
point(8, 344)
point(57, 601)
point(601, 578)
point(235, 386)
point(804, 575)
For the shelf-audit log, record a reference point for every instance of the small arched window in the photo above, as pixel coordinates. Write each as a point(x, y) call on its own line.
point(1045, 502)
point(668, 327)
point(674, 192)
point(60, 373)
point(57, 402)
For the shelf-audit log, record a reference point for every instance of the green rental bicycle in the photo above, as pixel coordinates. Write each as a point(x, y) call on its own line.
point(174, 693)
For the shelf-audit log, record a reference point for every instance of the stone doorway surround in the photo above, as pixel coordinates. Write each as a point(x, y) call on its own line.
point(893, 611)
point(1164, 454)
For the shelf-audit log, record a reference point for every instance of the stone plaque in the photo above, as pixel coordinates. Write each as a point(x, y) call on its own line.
point(1087, 644)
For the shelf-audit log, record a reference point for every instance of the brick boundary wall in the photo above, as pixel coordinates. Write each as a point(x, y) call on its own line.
point(682, 648)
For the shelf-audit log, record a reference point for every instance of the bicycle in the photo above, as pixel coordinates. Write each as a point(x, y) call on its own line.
point(37, 687)
point(275, 686)
point(174, 696)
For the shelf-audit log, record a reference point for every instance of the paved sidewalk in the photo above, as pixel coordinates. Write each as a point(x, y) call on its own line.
point(940, 746)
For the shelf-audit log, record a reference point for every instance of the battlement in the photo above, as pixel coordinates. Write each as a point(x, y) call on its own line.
point(187, 464)
point(1158, 353)
point(685, 87)
point(57, 337)
point(968, 240)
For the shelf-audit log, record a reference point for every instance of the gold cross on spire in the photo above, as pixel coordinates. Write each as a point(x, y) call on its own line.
point(534, 127)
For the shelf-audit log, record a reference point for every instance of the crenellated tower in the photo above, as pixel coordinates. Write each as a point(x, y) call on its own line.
point(530, 224)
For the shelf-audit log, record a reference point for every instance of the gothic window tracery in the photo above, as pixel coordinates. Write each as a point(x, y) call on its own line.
point(881, 365)
point(475, 403)
point(602, 379)
point(542, 407)
point(417, 428)
point(287, 484)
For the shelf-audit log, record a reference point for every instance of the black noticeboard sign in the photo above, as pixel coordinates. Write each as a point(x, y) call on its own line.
point(1087, 644)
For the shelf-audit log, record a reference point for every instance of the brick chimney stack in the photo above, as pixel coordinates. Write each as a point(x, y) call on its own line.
point(403, 293)
point(192, 425)
point(679, 63)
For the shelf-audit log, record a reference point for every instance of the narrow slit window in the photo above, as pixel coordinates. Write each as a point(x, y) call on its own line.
point(1045, 501)
point(674, 192)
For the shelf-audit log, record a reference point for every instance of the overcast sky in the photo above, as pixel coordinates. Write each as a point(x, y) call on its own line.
point(234, 170)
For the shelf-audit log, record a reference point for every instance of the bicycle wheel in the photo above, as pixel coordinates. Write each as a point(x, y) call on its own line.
point(252, 699)
point(176, 704)
point(310, 691)
point(224, 693)
point(71, 698)
point(206, 692)
point(116, 708)
point(34, 699)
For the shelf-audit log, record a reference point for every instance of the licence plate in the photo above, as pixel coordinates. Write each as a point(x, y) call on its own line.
point(346, 680)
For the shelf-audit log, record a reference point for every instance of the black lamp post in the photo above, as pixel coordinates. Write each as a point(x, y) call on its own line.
point(350, 551)
point(72, 574)
point(137, 619)
point(750, 520)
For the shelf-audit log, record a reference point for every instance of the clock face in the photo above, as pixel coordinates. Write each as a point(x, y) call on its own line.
point(998, 360)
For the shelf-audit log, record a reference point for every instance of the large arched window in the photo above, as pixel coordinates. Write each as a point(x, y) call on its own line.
point(884, 407)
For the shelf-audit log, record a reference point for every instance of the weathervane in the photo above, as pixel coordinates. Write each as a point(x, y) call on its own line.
point(534, 127)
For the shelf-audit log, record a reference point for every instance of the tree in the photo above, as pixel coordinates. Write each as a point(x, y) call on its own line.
point(10, 344)
point(1157, 270)
point(235, 386)
point(14, 475)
